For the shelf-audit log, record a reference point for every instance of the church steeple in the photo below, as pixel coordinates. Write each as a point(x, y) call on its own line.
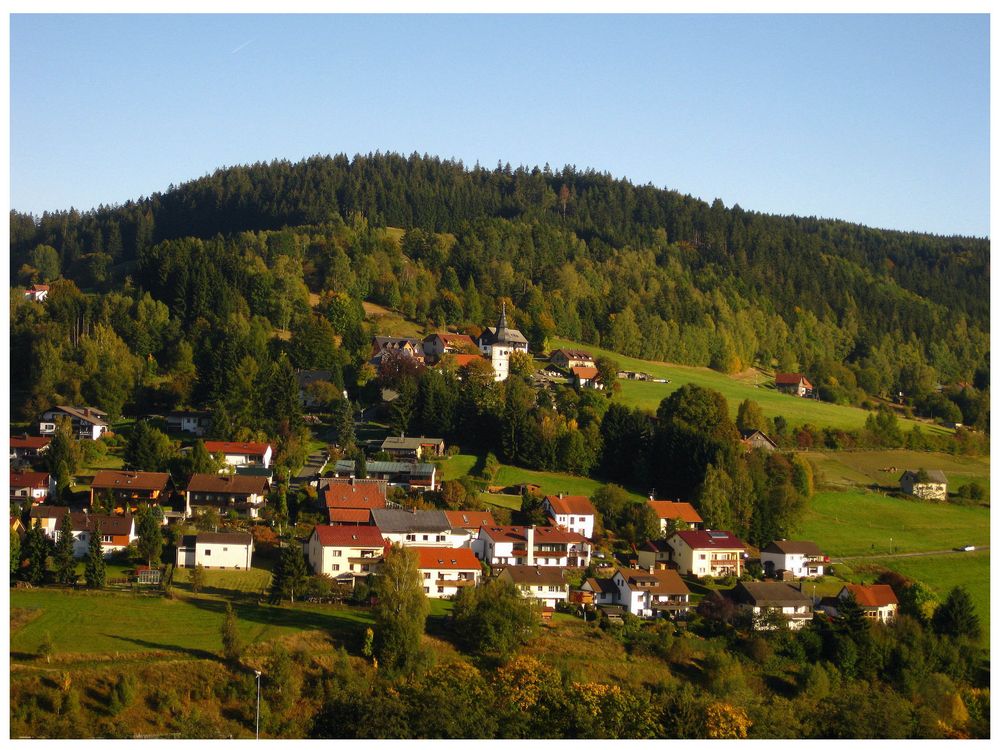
point(502, 324)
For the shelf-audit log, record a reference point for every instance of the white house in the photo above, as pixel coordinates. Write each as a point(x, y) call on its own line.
point(117, 531)
point(927, 485)
point(216, 550)
point(28, 446)
point(878, 601)
point(706, 553)
point(446, 571)
point(602, 590)
point(571, 512)
point(567, 359)
point(194, 422)
point(345, 552)
point(652, 593)
point(800, 559)
point(31, 486)
point(497, 344)
point(545, 584)
point(669, 512)
point(88, 423)
point(767, 599)
point(532, 545)
point(417, 528)
point(244, 494)
point(37, 292)
point(241, 454)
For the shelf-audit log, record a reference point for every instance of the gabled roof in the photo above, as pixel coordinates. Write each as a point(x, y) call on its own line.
point(469, 519)
point(675, 511)
point(84, 414)
point(935, 476)
point(537, 575)
point(461, 360)
point(452, 339)
point(47, 511)
point(387, 467)
point(114, 525)
point(393, 521)
point(696, 539)
point(601, 586)
point(409, 443)
point(746, 435)
point(29, 441)
point(542, 534)
point(135, 480)
point(396, 342)
point(787, 547)
point(571, 505)
point(441, 558)
point(228, 485)
point(510, 336)
point(349, 536)
point(770, 594)
point(875, 595)
point(585, 373)
point(33, 479)
point(573, 354)
point(349, 515)
point(655, 581)
point(344, 495)
point(223, 537)
point(791, 378)
point(247, 449)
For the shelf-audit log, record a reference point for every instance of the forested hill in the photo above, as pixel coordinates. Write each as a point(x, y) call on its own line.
point(641, 270)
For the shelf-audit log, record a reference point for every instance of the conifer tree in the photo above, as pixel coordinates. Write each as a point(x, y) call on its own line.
point(289, 575)
point(37, 552)
point(232, 643)
point(63, 558)
point(94, 571)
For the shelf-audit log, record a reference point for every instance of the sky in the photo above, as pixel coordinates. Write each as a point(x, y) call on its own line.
point(876, 119)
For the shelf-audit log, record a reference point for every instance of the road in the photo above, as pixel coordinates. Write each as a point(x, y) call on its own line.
point(984, 548)
point(313, 466)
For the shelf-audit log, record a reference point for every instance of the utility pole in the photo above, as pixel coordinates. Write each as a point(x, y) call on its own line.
point(257, 672)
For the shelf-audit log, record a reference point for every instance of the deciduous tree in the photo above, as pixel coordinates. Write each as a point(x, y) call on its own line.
point(402, 610)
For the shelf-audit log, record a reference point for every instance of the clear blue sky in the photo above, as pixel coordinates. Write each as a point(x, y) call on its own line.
point(882, 120)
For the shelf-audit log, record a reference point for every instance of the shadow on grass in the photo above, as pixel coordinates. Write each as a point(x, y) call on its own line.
point(781, 686)
point(195, 653)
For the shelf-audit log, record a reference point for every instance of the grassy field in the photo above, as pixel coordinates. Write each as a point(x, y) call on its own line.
point(865, 468)
point(386, 322)
point(457, 466)
point(796, 410)
point(227, 583)
point(551, 482)
point(860, 522)
point(513, 502)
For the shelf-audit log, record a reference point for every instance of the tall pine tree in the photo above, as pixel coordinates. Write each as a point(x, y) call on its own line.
point(94, 570)
point(63, 558)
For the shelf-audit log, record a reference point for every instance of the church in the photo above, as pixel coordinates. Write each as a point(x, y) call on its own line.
point(497, 344)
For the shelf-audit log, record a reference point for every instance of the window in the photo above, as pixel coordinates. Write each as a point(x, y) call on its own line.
point(427, 575)
point(208, 553)
point(334, 568)
point(107, 538)
point(426, 537)
point(336, 553)
point(701, 557)
point(440, 537)
point(427, 589)
point(440, 589)
point(225, 549)
point(411, 537)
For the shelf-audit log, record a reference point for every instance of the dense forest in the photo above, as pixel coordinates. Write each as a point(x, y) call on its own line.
point(188, 283)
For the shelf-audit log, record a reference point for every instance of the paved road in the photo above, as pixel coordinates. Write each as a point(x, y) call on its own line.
point(314, 464)
point(984, 548)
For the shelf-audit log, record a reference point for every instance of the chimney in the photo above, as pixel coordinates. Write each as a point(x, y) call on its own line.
point(529, 532)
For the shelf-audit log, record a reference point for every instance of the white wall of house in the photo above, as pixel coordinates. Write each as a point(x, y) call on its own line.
point(796, 563)
point(581, 524)
point(460, 538)
point(797, 616)
point(335, 561)
point(440, 584)
point(547, 594)
point(221, 555)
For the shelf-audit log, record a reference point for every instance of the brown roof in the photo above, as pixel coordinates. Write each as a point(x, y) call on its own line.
point(571, 505)
point(675, 511)
point(469, 519)
point(136, 480)
point(710, 540)
point(535, 574)
point(769, 593)
point(249, 449)
point(349, 515)
point(875, 595)
point(29, 441)
point(349, 536)
point(573, 354)
point(33, 479)
point(237, 484)
point(585, 373)
point(602, 585)
point(343, 495)
point(791, 378)
point(656, 581)
point(223, 537)
point(48, 511)
point(787, 547)
point(445, 558)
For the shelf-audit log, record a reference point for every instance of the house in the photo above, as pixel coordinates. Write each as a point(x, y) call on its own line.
point(633, 375)
point(651, 593)
point(126, 489)
point(354, 495)
point(669, 512)
point(768, 599)
point(469, 520)
point(567, 359)
point(601, 590)
point(193, 422)
point(546, 584)
point(88, 423)
point(497, 344)
point(752, 439)
point(461, 360)
point(586, 377)
point(397, 473)
point(706, 553)
point(345, 552)
point(31, 486)
point(17, 527)
point(28, 447)
point(797, 559)
point(793, 382)
point(249, 470)
point(436, 345)
point(244, 495)
point(446, 571)
point(241, 454)
point(350, 517)
point(37, 292)
point(653, 553)
point(927, 485)
point(400, 345)
point(117, 531)
point(878, 601)
point(571, 512)
point(412, 448)
point(411, 528)
point(216, 550)
point(532, 545)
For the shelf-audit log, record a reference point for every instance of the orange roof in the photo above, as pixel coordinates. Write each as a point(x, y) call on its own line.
point(135, 480)
point(542, 534)
point(674, 511)
point(250, 449)
point(876, 595)
point(571, 505)
point(585, 373)
point(354, 496)
point(468, 519)
point(463, 359)
point(349, 536)
point(447, 558)
point(349, 515)
point(29, 441)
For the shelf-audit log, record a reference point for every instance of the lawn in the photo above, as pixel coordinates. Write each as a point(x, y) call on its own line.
point(865, 468)
point(551, 482)
point(253, 582)
point(860, 522)
point(457, 466)
point(99, 622)
point(796, 410)
point(502, 501)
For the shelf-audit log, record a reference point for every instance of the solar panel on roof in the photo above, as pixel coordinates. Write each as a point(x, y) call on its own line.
point(718, 534)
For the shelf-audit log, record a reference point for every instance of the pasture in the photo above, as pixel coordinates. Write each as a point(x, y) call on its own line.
point(797, 411)
point(849, 468)
point(551, 482)
point(863, 523)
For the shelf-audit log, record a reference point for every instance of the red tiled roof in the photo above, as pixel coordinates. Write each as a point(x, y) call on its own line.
point(585, 373)
point(463, 359)
point(791, 378)
point(29, 441)
point(542, 534)
point(136, 480)
point(33, 479)
point(671, 511)
point(469, 519)
point(710, 540)
point(349, 536)
point(349, 515)
point(571, 505)
point(354, 496)
point(249, 449)
point(445, 558)
point(875, 595)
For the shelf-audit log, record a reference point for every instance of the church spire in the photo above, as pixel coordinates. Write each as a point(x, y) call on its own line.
point(502, 325)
